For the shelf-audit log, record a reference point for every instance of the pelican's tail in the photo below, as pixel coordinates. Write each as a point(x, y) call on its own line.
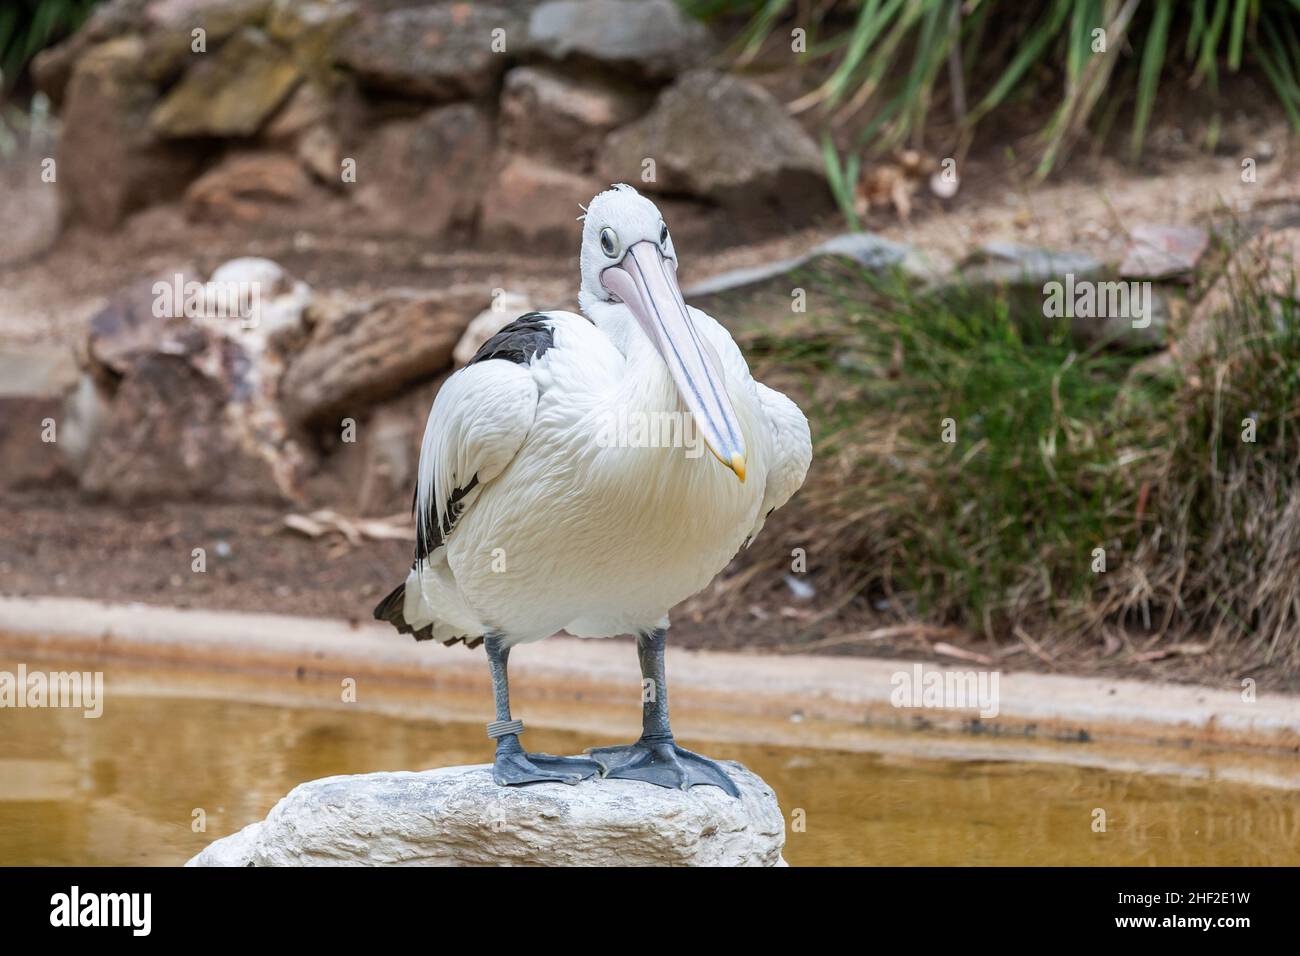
point(410, 607)
point(390, 610)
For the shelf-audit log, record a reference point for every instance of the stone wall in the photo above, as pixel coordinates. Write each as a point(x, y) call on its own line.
point(485, 120)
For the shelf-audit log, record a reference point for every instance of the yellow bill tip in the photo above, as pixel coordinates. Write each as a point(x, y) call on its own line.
point(738, 465)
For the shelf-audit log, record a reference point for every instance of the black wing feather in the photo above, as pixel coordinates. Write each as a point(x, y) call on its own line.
point(524, 339)
point(430, 535)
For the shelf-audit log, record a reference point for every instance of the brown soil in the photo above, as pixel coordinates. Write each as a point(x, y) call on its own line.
point(59, 544)
point(56, 543)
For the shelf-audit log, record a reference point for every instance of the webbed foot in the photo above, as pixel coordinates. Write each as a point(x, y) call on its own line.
point(662, 763)
point(519, 767)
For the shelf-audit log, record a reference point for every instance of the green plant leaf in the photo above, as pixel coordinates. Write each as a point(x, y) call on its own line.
point(1153, 60)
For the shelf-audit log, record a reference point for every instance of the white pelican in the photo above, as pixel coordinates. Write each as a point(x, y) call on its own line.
point(551, 496)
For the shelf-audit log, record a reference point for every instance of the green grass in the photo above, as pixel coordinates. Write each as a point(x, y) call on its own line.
point(1058, 451)
point(1001, 521)
point(1030, 476)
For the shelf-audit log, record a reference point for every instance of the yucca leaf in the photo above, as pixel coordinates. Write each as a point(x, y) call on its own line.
point(28, 26)
point(838, 178)
point(761, 28)
point(886, 58)
point(1197, 29)
point(1277, 65)
point(865, 32)
point(1153, 61)
point(1238, 35)
point(1027, 57)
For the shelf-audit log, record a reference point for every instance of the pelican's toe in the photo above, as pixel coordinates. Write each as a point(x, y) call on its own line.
point(662, 763)
point(512, 769)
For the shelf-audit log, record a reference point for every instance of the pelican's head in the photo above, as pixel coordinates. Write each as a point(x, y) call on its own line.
point(628, 257)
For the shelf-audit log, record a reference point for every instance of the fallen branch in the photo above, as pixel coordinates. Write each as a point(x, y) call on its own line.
point(354, 530)
point(925, 632)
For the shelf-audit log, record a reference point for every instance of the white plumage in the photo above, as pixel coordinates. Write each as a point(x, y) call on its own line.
point(542, 511)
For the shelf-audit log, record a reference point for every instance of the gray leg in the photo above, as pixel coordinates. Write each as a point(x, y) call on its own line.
point(513, 765)
point(656, 758)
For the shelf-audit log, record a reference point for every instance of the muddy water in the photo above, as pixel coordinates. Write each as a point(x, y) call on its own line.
point(125, 788)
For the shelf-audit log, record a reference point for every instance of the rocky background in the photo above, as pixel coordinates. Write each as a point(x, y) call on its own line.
point(475, 120)
point(446, 124)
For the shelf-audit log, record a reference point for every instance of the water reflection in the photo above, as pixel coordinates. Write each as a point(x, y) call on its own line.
point(123, 790)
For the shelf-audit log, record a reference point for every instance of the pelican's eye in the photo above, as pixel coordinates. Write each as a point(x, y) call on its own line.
point(609, 242)
point(663, 233)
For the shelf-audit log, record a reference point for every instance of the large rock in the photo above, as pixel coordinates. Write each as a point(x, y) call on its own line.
point(164, 28)
point(552, 113)
point(725, 139)
point(231, 92)
point(217, 18)
point(534, 201)
point(312, 30)
point(168, 27)
point(247, 187)
point(109, 161)
point(169, 434)
point(31, 206)
point(1163, 252)
point(361, 353)
point(425, 175)
point(457, 816)
point(189, 407)
point(385, 470)
point(29, 441)
point(651, 38)
point(307, 108)
point(1002, 263)
point(35, 382)
point(441, 52)
point(52, 68)
point(277, 315)
point(874, 253)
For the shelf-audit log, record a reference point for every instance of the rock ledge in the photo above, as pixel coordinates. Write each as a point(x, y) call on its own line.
point(456, 816)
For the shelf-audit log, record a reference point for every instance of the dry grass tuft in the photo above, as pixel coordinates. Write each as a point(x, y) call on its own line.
point(1058, 452)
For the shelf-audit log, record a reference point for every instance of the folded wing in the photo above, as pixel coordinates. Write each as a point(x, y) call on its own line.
point(791, 451)
point(479, 421)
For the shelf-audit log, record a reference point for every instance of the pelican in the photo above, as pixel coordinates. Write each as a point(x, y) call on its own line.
point(586, 473)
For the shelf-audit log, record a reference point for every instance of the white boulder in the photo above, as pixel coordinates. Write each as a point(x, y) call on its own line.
point(456, 816)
